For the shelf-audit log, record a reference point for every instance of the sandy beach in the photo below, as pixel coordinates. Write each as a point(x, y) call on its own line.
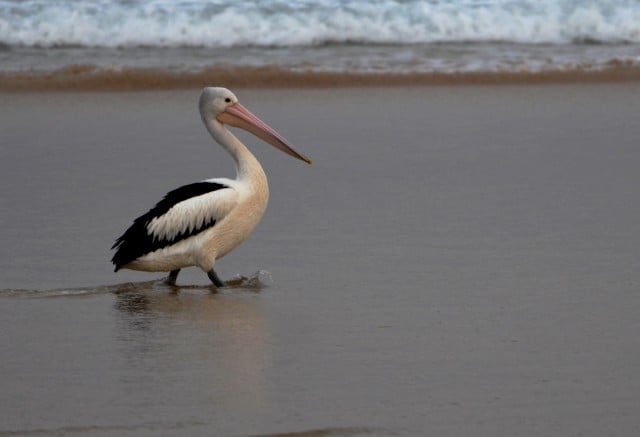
point(459, 260)
point(92, 78)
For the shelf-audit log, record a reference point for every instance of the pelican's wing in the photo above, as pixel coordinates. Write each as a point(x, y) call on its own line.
point(182, 213)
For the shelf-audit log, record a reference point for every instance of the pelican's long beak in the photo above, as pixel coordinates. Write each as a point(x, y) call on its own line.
point(237, 115)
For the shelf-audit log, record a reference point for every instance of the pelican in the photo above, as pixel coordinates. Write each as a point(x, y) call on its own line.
point(199, 223)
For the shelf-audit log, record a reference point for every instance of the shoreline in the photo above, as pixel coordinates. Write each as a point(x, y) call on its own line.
point(90, 78)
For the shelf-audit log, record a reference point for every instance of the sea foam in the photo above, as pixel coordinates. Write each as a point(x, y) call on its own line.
point(279, 23)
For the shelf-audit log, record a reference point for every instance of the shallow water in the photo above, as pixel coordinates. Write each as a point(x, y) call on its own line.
point(457, 261)
point(351, 58)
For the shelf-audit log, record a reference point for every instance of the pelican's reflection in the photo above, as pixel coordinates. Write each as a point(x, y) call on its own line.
point(218, 344)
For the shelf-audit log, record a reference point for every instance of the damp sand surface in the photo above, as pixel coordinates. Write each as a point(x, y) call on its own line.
point(457, 261)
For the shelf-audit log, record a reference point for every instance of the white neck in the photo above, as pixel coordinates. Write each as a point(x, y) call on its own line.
point(247, 166)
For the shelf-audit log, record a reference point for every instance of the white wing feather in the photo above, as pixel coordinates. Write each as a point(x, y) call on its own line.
point(193, 214)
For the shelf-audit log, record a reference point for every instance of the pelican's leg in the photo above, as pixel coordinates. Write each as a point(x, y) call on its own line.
point(171, 279)
point(215, 279)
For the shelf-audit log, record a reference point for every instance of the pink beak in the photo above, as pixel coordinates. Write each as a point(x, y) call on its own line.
point(237, 115)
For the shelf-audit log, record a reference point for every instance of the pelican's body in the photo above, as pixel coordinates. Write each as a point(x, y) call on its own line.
point(199, 223)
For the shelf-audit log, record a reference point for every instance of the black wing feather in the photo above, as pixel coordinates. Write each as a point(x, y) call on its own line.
point(136, 241)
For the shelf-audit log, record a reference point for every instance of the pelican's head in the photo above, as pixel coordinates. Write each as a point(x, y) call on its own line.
point(222, 105)
point(215, 100)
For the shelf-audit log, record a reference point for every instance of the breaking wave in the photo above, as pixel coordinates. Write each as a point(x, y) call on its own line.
point(281, 23)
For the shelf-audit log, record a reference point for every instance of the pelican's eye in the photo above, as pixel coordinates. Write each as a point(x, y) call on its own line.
point(228, 100)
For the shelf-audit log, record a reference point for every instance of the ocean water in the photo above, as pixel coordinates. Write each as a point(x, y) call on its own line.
point(460, 261)
point(326, 35)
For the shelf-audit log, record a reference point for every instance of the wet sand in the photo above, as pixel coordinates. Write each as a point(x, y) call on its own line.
point(457, 261)
point(87, 77)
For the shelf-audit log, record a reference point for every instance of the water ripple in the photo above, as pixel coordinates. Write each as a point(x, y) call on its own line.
point(256, 282)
